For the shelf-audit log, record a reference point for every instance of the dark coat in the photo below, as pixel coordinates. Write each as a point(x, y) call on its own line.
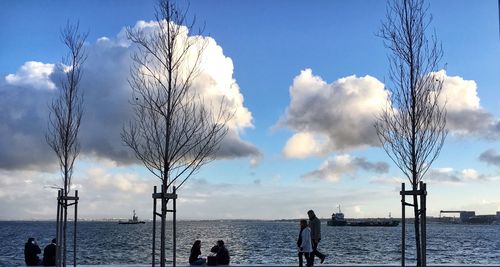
point(315, 225)
point(195, 252)
point(222, 256)
point(31, 251)
point(49, 255)
point(299, 241)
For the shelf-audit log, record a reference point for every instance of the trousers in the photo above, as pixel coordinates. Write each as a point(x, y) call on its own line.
point(308, 259)
point(315, 251)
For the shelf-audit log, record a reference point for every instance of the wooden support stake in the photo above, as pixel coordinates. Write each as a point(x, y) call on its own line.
point(74, 230)
point(403, 224)
point(423, 204)
point(162, 230)
point(174, 227)
point(58, 225)
point(154, 228)
point(164, 197)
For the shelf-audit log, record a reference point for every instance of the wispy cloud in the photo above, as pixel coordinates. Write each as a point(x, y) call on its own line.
point(334, 168)
point(490, 157)
point(447, 175)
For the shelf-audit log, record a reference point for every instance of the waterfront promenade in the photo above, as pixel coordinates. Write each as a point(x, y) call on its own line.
point(318, 265)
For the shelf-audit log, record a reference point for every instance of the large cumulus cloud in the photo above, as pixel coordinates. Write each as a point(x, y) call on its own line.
point(331, 117)
point(23, 116)
point(339, 116)
point(33, 74)
point(465, 115)
point(24, 98)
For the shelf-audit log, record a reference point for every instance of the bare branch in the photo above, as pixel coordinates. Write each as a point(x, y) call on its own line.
point(175, 131)
point(412, 127)
point(66, 110)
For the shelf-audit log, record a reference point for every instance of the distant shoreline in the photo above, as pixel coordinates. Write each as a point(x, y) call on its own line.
point(195, 220)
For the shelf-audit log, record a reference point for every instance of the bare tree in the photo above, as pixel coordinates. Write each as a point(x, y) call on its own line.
point(66, 114)
point(412, 128)
point(174, 131)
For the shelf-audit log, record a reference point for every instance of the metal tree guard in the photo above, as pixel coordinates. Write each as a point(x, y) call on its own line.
point(422, 213)
point(63, 202)
point(164, 197)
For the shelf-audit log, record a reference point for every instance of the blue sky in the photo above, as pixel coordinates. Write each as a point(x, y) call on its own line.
point(270, 44)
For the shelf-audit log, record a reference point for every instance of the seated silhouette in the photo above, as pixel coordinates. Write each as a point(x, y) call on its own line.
point(31, 251)
point(221, 253)
point(49, 254)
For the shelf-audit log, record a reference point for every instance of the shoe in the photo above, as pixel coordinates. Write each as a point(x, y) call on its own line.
point(323, 259)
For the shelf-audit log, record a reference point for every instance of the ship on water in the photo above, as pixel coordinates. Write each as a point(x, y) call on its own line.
point(339, 220)
point(134, 220)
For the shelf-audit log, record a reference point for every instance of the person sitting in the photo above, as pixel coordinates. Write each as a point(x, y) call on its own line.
point(31, 251)
point(49, 254)
point(195, 252)
point(222, 254)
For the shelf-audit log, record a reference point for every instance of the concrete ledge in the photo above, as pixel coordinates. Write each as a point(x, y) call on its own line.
point(318, 265)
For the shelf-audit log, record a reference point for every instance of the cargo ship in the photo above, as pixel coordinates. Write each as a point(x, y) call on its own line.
point(339, 220)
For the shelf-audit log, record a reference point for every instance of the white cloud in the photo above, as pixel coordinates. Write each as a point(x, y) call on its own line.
point(23, 113)
point(340, 116)
point(357, 209)
point(254, 161)
point(447, 175)
point(334, 168)
point(459, 94)
point(33, 74)
point(332, 117)
point(303, 145)
point(104, 192)
point(26, 194)
point(465, 115)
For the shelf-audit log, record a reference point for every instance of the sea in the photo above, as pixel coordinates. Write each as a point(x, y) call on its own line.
point(256, 242)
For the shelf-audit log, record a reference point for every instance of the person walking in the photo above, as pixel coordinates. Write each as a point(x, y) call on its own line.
point(304, 244)
point(315, 225)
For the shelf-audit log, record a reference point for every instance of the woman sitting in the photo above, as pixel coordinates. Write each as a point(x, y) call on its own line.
point(195, 252)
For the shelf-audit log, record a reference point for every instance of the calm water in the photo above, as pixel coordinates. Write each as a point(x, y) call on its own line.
point(256, 242)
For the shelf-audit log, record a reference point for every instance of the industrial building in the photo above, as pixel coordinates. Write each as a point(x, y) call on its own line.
point(470, 217)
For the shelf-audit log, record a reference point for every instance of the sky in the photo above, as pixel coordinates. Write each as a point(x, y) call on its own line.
point(305, 78)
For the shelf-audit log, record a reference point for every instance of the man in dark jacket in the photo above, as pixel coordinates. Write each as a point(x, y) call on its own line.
point(315, 225)
point(49, 254)
point(222, 254)
point(31, 251)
